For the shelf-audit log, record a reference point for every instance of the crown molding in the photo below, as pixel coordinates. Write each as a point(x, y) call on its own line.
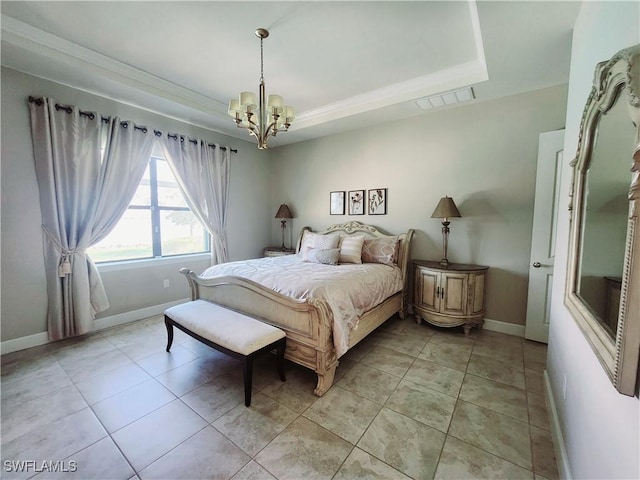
point(34, 40)
point(97, 65)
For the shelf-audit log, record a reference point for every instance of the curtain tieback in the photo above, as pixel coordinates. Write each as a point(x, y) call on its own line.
point(64, 267)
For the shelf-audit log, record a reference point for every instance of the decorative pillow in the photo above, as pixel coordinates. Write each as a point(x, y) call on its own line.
point(326, 256)
point(351, 249)
point(380, 250)
point(315, 240)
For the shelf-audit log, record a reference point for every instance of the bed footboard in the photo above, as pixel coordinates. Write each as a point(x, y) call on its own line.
point(307, 323)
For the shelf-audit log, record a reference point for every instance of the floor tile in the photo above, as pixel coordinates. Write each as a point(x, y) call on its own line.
point(437, 377)
point(387, 437)
point(151, 343)
point(100, 387)
point(100, 461)
point(450, 355)
point(503, 348)
point(189, 376)
point(161, 362)
point(81, 349)
point(411, 345)
point(304, 450)
point(55, 441)
point(544, 457)
point(207, 454)
point(460, 460)
point(359, 464)
point(96, 365)
point(19, 389)
point(535, 355)
point(538, 415)
point(496, 396)
point(343, 413)
point(498, 434)
point(486, 367)
point(534, 381)
point(422, 404)
point(369, 383)
point(297, 392)
point(388, 361)
point(149, 438)
point(126, 407)
point(21, 419)
point(215, 398)
point(253, 471)
point(254, 427)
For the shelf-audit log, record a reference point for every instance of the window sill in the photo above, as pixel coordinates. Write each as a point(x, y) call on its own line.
point(183, 260)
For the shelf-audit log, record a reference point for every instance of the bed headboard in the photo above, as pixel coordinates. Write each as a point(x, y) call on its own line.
point(369, 231)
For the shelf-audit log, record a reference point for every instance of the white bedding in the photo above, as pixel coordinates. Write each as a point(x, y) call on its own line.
point(349, 289)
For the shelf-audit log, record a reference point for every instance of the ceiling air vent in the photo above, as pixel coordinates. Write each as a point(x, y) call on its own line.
point(448, 98)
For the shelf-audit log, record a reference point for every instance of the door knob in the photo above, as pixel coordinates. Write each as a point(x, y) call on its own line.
point(537, 264)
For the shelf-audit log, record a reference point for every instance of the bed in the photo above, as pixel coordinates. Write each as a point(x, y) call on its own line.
point(319, 328)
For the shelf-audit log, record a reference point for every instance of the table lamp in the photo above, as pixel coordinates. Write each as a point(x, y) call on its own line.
point(283, 214)
point(445, 209)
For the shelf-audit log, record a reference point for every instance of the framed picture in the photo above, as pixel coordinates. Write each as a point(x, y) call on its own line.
point(356, 202)
point(377, 201)
point(336, 203)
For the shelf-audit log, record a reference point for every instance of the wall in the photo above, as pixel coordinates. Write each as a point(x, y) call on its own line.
point(24, 299)
point(483, 155)
point(600, 427)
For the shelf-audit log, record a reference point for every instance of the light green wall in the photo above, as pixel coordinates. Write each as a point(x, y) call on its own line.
point(600, 427)
point(24, 301)
point(483, 155)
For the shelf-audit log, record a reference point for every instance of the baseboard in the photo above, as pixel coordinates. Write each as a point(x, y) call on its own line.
point(22, 343)
point(42, 338)
point(562, 459)
point(126, 317)
point(503, 327)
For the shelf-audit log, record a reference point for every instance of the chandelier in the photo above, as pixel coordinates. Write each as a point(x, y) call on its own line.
point(269, 119)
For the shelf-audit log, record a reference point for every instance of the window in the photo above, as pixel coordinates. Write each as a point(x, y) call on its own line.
point(157, 223)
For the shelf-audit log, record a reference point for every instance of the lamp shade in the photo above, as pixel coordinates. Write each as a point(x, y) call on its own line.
point(446, 208)
point(284, 212)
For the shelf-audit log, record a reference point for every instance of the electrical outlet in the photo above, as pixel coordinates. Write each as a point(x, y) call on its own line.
point(166, 283)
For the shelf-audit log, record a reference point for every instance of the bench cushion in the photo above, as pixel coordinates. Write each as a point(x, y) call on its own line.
point(224, 327)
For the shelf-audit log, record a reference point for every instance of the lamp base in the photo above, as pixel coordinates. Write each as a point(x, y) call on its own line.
point(444, 262)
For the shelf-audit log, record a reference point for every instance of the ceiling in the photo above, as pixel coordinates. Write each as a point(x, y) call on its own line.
point(341, 65)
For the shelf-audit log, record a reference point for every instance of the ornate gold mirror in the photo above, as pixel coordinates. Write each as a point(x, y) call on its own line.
point(603, 278)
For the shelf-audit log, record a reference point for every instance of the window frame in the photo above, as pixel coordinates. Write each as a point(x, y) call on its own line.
point(156, 227)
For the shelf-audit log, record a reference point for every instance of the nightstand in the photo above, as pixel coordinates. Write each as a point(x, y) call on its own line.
point(448, 296)
point(277, 251)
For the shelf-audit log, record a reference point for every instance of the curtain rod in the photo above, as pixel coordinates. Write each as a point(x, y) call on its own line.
point(157, 133)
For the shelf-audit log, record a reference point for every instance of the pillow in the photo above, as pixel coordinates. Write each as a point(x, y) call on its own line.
point(380, 250)
point(326, 256)
point(314, 240)
point(351, 249)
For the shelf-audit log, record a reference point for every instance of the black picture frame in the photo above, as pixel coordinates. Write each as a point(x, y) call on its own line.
point(336, 203)
point(357, 202)
point(377, 201)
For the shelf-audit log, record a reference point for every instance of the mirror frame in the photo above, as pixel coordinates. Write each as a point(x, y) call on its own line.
point(617, 78)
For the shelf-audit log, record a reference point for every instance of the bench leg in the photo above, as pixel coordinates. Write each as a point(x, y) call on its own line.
point(247, 373)
point(282, 344)
point(169, 332)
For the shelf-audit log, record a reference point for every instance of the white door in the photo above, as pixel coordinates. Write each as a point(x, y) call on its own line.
point(543, 237)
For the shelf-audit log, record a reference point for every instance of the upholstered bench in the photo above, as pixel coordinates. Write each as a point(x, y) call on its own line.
point(229, 332)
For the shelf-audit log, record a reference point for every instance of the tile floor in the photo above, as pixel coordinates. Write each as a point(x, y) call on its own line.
point(411, 401)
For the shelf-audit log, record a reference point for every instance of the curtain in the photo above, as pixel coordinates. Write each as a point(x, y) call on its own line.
point(84, 191)
point(202, 172)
